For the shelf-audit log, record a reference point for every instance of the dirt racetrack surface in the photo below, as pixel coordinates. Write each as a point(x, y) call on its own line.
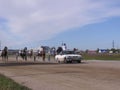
point(88, 75)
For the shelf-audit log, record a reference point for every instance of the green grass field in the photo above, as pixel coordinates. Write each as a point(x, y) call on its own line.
point(101, 56)
point(8, 84)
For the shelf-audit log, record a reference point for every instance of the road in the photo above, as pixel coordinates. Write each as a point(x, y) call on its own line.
point(88, 75)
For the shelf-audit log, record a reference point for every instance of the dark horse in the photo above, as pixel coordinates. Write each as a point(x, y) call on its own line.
point(23, 54)
point(5, 54)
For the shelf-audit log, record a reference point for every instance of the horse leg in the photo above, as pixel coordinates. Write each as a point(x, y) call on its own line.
point(34, 58)
point(25, 57)
point(2, 57)
point(7, 58)
point(22, 57)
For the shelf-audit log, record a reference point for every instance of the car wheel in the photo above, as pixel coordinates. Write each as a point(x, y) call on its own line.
point(70, 61)
point(79, 61)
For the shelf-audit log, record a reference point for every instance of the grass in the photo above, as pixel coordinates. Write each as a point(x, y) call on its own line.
point(8, 84)
point(101, 56)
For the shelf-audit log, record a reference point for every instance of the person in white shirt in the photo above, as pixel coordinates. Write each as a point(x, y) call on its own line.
point(64, 47)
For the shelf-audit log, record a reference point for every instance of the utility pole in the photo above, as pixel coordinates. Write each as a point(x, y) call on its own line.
point(113, 44)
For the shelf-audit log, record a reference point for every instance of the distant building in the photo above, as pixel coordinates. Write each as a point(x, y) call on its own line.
point(91, 52)
point(110, 52)
point(12, 51)
point(103, 51)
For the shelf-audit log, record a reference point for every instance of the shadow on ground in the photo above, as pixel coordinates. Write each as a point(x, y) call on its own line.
point(26, 63)
point(33, 63)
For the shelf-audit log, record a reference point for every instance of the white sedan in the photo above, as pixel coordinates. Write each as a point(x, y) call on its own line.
point(68, 56)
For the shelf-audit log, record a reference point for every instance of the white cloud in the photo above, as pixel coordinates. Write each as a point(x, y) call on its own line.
point(35, 20)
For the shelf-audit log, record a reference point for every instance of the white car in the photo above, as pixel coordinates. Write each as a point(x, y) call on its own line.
point(68, 56)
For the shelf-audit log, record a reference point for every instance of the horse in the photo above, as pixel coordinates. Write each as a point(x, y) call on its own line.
point(23, 53)
point(39, 54)
point(30, 53)
point(5, 54)
point(43, 55)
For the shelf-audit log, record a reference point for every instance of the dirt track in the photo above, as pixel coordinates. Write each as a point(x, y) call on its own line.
point(89, 75)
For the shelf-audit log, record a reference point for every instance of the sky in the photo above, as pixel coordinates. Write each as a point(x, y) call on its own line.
point(82, 24)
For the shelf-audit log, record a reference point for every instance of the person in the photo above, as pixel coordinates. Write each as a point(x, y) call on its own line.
point(59, 50)
point(41, 49)
point(5, 53)
point(64, 47)
point(40, 52)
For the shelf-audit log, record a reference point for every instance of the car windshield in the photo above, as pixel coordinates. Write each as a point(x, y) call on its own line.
point(68, 52)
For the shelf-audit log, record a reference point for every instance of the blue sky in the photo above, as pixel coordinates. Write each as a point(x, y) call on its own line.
point(92, 36)
point(82, 24)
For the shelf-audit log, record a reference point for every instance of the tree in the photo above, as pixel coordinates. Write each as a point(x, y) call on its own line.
point(114, 50)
